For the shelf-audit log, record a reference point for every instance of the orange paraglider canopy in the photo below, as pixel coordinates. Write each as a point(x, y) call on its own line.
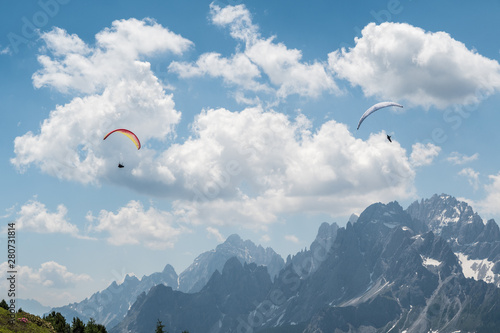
point(129, 134)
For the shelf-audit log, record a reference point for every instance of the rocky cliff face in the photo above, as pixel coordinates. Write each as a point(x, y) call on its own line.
point(400, 272)
point(218, 307)
point(109, 306)
point(476, 244)
point(451, 219)
point(195, 277)
point(307, 262)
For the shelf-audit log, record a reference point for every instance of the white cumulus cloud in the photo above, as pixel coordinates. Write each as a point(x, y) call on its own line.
point(458, 159)
point(5, 50)
point(399, 61)
point(214, 232)
point(238, 70)
point(132, 224)
point(122, 92)
point(253, 165)
point(240, 167)
point(35, 217)
point(292, 238)
point(261, 58)
point(74, 65)
point(472, 177)
point(423, 154)
point(46, 282)
point(50, 274)
point(490, 204)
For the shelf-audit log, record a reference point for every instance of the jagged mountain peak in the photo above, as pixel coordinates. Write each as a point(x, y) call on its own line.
point(381, 216)
point(235, 243)
point(233, 239)
point(306, 262)
point(448, 217)
point(381, 212)
point(219, 307)
point(389, 271)
point(168, 269)
point(130, 278)
point(441, 210)
point(326, 231)
point(491, 232)
point(233, 264)
point(198, 274)
point(109, 306)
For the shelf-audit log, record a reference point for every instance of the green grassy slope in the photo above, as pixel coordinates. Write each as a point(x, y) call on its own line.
point(35, 324)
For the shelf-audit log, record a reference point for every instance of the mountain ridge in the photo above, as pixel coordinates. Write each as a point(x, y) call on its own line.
point(227, 295)
point(389, 270)
point(109, 306)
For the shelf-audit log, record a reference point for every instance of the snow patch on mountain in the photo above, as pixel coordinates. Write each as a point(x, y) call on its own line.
point(478, 269)
point(427, 262)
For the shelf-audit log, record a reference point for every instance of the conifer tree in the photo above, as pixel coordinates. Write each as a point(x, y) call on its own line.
point(159, 327)
point(78, 326)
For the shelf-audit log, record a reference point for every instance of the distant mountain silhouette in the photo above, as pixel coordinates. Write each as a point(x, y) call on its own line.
point(217, 307)
point(109, 306)
point(194, 278)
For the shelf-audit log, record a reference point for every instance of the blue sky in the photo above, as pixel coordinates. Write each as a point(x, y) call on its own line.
point(247, 113)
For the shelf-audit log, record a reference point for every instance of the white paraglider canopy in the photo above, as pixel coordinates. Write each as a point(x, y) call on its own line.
point(376, 107)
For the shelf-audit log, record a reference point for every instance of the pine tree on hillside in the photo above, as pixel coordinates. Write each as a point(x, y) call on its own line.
point(78, 326)
point(159, 327)
point(92, 327)
point(58, 322)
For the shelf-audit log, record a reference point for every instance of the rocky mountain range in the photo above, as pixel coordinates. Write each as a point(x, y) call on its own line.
point(109, 306)
point(32, 306)
point(216, 308)
point(475, 243)
point(431, 267)
point(196, 276)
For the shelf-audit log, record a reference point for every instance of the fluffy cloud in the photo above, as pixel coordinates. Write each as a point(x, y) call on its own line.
point(399, 61)
point(472, 177)
point(423, 154)
point(69, 144)
point(5, 50)
point(50, 274)
point(489, 205)
point(292, 238)
point(247, 167)
point(252, 165)
point(285, 70)
point(213, 232)
point(34, 216)
point(76, 66)
point(238, 70)
point(458, 159)
point(282, 66)
point(238, 19)
point(238, 167)
point(44, 283)
point(133, 224)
